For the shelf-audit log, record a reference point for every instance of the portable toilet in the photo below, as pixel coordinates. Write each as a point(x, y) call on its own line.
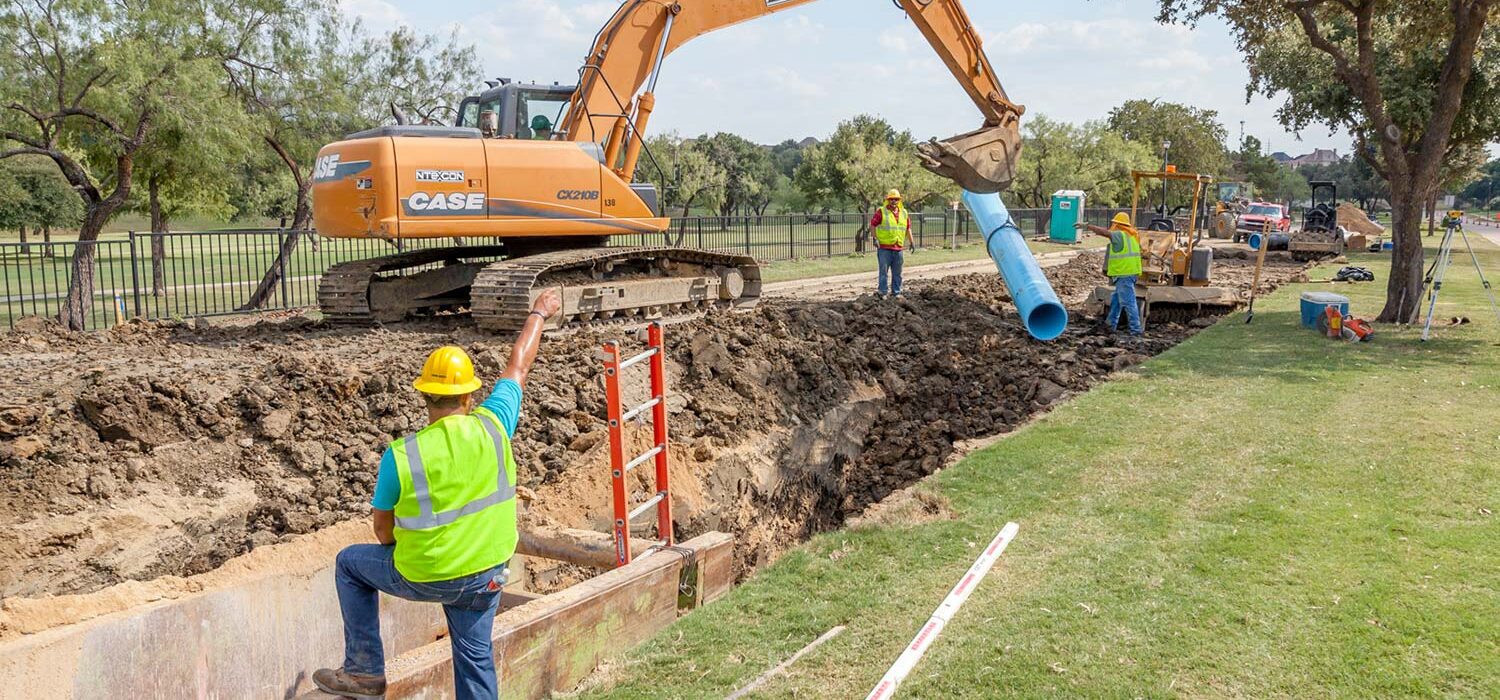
point(1067, 210)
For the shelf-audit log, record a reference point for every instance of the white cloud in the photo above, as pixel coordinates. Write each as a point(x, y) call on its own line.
point(377, 15)
point(891, 40)
point(791, 82)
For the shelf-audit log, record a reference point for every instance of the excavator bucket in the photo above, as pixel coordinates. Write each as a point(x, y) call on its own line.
point(980, 161)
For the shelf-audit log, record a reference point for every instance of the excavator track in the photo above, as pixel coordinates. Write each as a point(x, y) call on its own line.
point(611, 285)
point(353, 292)
point(599, 285)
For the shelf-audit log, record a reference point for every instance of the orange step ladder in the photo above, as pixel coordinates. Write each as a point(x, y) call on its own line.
point(619, 468)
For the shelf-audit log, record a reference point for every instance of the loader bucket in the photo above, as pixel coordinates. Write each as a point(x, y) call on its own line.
point(980, 161)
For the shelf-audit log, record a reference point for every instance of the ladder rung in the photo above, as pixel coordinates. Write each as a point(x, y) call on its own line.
point(632, 413)
point(638, 358)
point(647, 505)
point(645, 456)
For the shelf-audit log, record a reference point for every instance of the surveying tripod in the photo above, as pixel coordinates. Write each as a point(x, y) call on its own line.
point(1453, 223)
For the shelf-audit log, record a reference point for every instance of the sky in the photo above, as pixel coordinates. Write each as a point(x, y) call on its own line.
point(801, 71)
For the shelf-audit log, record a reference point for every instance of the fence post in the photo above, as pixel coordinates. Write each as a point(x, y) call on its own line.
point(828, 221)
point(791, 237)
point(286, 301)
point(698, 224)
point(922, 231)
point(747, 235)
point(135, 277)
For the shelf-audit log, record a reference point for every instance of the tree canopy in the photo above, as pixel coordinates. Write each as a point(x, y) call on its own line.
point(1413, 80)
point(1196, 136)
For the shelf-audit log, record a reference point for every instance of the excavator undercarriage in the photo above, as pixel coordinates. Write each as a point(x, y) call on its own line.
point(598, 285)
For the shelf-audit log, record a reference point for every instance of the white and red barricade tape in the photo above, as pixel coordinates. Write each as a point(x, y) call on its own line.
point(886, 688)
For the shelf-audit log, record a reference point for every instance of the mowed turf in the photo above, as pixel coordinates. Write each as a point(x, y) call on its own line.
point(1256, 513)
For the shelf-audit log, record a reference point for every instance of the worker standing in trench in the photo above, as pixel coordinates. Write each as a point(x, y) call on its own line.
point(892, 226)
point(1122, 264)
point(445, 518)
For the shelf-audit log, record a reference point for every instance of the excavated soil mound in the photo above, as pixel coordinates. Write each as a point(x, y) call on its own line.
point(1355, 220)
point(165, 449)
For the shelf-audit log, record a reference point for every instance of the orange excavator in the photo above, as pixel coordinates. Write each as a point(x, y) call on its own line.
point(543, 175)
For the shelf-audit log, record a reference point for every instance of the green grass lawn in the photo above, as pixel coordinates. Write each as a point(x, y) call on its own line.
point(1257, 512)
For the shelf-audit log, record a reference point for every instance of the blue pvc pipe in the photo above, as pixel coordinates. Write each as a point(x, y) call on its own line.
point(1041, 312)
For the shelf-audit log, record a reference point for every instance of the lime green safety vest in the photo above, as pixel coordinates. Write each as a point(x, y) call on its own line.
point(457, 512)
point(892, 229)
point(1124, 255)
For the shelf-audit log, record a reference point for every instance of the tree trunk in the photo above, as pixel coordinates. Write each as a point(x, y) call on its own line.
point(24, 248)
point(1432, 213)
point(272, 277)
point(158, 238)
point(1403, 291)
point(76, 306)
point(47, 241)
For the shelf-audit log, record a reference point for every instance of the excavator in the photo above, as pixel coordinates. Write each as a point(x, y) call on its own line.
point(543, 175)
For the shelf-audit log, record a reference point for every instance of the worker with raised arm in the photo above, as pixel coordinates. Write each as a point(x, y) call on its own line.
point(892, 225)
point(445, 519)
point(1122, 264)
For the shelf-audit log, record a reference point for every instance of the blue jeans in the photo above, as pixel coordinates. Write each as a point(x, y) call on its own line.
point(363, 570)
point(1124, 297)
point(890, 261)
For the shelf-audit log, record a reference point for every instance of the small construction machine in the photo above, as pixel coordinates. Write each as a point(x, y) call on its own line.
point(1175, 284)
point(1230, 201)
point(1320, 235)
point(532, 180)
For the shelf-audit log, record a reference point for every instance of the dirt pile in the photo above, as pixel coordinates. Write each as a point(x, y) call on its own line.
point(160, 449)
point(1355, 220)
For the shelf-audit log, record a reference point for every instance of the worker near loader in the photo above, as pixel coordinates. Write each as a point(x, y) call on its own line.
point(445, 519)
point(1122, 264)
point(892, 226)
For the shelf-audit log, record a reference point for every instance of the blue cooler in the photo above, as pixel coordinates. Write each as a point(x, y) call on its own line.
point(1315, 303)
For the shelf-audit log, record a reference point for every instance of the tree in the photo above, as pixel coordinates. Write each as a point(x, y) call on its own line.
point(1088, 157)
point(87, 84)
point(15, 205)
point(748, 169)
point(1413, 80)
point(687, 177)
point(1485, 187)
point(863, 159)
point(314, 77)
point(50, 202)
point(1196, 135)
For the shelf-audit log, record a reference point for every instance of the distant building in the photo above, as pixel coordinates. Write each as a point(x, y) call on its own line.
point(1321, 156)
point(1281, 157)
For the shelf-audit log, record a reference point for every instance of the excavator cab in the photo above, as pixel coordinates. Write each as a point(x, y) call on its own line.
point(516, 107)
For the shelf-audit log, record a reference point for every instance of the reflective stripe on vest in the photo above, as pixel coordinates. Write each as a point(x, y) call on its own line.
point(892, 232)
point(1123, 258)
point(504, 490)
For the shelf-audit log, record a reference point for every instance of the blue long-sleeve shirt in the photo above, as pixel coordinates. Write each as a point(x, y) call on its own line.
point(504, 402)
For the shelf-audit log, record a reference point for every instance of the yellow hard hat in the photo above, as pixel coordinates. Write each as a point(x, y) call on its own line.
point(447, 372)
point(1122, 219)
point(893, 194)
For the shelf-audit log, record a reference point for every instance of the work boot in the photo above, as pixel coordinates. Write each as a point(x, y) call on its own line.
point(349, 685)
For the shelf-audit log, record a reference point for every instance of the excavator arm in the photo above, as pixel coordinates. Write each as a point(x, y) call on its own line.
point(617, 83)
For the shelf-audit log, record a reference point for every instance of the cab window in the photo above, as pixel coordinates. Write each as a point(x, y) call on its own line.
point(538, 114)
point(468, 113)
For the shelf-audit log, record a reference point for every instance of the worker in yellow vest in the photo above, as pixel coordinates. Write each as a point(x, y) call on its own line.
point(892, 226)
point(1122, 264)
point(445, 519)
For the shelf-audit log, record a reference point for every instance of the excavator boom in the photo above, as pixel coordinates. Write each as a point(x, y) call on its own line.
point(616, 88)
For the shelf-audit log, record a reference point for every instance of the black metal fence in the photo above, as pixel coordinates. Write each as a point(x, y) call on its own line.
point(190, 274)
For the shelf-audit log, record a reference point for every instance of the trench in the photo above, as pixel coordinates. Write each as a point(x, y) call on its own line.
point(160, 451)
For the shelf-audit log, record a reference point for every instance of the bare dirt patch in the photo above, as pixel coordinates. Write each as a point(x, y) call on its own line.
point(160, 450)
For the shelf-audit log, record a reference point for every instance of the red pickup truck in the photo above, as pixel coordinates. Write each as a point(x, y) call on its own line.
point(1254, 219)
